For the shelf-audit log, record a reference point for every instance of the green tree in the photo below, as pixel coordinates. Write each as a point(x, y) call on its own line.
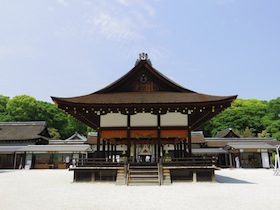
point(22, 108)
point(4, 116)
point(272, 118)
point(264, 134)
point(242, 114)
point(54, 133)
point(247, 133)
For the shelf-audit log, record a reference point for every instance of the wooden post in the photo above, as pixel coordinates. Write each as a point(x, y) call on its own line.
point(134, 151)
point(108, 150)
point(128, 138)
point(103, 148)
point(180, 149)
point(190, 141)
point(15, 160)
point(155, 149)
point(158, 137)
point(98, 143)
point(112, 152)
point(98, 137)
point(115, 152)
point(185, 148)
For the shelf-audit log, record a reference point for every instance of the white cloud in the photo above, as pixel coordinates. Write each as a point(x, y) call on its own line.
point(114, 27)
point(63, 2)
point(51, 9)
point(118, 20)
point(19, 51)
point(124, 22)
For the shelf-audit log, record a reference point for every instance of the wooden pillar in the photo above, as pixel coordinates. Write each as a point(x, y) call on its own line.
point(134, 151)
point(175, 150)
point(98, 137)
point(15, 160)
point(108, 149)
point(103, 148)
point(158, 138)
point(226, 160)
point(115, 152)
point(190, 141)
point(155, 149)
point(112, 152)
point(98, 143)
point(180, 149)
point(128, 138)
point(184, 148)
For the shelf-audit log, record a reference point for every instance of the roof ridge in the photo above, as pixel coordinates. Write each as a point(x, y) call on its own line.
point(24, 123)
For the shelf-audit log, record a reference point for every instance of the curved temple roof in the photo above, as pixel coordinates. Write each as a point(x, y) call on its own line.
point(143, 86)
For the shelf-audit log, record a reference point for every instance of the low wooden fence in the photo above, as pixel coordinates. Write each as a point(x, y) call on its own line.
point(188, 161)
point(98, 162)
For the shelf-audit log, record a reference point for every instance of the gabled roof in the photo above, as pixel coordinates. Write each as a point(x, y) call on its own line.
point(227, 133)
point(145, 73)
point(144, 88)
point(56, 148)
point(197, 137)
point(23, 131)
point(76, 137)
point(222, 142)
point(250, 145)
point(151, 87)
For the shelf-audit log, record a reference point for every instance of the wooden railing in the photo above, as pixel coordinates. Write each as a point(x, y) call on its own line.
point(101, 162)
point(187, 161)
point(190, 161)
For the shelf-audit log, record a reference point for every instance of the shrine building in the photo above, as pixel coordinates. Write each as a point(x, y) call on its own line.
point(149, 118)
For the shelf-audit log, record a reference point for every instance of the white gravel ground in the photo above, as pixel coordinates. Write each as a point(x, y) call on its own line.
point(54, 189)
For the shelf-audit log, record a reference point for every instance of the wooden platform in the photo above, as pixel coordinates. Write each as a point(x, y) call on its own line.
point(162, 173)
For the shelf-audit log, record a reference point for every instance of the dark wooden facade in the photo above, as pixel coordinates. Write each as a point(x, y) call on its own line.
point(144, 90)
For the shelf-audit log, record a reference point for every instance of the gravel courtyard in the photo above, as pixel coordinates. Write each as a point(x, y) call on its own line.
point(54, 189)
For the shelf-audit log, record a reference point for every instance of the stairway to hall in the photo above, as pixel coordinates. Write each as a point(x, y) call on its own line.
point(143, 175)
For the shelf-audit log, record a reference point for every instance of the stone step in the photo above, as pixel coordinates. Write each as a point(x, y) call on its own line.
point(143, 176)
point(143, 181)
point(143, 171)
point(143, 167)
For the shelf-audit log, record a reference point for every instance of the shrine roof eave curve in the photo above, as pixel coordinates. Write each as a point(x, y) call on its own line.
point(144, 98)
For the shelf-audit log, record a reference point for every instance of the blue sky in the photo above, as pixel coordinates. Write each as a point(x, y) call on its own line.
point(68, 48)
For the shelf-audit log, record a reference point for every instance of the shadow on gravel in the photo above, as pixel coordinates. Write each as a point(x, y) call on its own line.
point(229, 180)
point(5, 171)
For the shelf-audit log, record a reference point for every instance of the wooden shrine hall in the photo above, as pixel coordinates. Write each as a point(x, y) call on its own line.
point(147, 115)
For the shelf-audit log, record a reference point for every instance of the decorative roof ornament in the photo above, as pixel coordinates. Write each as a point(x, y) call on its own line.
point(143, 57)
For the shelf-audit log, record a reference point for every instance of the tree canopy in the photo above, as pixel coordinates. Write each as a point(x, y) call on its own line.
point(248, 118)
point(27, 108)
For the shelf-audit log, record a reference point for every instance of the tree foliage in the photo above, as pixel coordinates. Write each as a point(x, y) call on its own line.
point(27, 108)
point(248, 118)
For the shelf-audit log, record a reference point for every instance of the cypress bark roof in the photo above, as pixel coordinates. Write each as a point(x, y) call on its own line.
point(144, 88)
point(143, 85)
point(23, 131)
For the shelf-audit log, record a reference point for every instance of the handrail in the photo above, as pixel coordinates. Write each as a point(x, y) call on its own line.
point(191, 161)
point(187, 161)
point(98, 162)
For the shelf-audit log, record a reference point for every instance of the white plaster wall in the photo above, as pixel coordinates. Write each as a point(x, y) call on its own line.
point(113, 120)
point(174, 119)
point(143, 119)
